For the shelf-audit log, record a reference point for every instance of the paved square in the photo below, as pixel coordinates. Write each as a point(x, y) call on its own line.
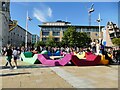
point(38, 76)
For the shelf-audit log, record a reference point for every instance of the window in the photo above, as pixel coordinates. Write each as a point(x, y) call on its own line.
point(56, 39)
point(44, 39)
point(85, 29)
point(45, 33)
point(3, 6)
point(78, 29)
point(56, 33)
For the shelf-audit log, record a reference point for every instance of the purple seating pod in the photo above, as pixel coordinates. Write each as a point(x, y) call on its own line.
point(45, 60)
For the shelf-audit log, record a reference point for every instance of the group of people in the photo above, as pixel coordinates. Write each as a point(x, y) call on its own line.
point(96, 48)
point(11, 53)
point(99, 48)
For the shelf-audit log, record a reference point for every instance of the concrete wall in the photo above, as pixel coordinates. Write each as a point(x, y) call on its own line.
point(4, 19)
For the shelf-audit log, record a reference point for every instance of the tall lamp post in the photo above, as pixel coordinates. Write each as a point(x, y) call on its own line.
point(26, 30)
point(99, 20)
point(26, 35)
point(89, 13)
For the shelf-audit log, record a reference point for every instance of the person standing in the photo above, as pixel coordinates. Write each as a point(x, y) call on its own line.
point(93, 46)
point(97, 48)
point(9, 56)
point(15, 56)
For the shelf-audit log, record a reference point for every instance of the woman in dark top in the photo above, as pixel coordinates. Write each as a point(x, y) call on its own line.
point(9, 56)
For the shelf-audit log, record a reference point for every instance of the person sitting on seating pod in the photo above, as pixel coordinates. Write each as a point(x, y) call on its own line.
point(108, 57)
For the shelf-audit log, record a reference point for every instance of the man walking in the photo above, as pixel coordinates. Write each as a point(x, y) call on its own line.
point(9, 56)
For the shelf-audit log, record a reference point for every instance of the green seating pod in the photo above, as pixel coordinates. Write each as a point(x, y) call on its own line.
point(30, 60)
point(28, 54)
point(44, 52)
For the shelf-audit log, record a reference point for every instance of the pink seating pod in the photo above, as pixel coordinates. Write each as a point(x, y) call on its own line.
point(45, 60)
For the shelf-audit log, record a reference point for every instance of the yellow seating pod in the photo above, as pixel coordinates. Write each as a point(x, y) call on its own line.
point(80, 56)
point(110, 55)
point(103, 60)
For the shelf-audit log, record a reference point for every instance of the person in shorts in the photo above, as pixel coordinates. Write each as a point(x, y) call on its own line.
point(15, 57)
point(9, 56)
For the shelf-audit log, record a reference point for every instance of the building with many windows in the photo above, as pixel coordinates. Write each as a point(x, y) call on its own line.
point(17, 36)
point(56, 30)
point(35, 38)
point(114, 31)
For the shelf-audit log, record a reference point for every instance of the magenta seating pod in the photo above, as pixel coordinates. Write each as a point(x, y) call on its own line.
point(45, 60)
point(91, 60)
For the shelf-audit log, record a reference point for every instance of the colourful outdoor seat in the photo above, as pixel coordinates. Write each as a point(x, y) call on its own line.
point(103, 60)
point(80, 56)
point(31, 60)
point(91, 60)
point(44, 52)
point(46, 60)
point(57, 53)
point(28, 54)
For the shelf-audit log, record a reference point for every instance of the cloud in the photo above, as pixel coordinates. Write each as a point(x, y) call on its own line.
point(42, 14)
point(39, 15)
point(49, 12)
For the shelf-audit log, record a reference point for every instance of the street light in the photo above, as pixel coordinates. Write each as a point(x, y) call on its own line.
point(99, 20)
point(26, 36)
point(89, 13)
point(26, 30)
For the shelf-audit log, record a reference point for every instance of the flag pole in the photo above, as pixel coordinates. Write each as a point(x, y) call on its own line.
point(26, 30)
point(99, 29)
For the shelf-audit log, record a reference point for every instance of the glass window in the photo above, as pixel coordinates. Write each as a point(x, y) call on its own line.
point(57, 39)
point(78, 29)
point(56, 33)
point(84, 29)
point(44, 39)
point(3, 6)
point(45, 33)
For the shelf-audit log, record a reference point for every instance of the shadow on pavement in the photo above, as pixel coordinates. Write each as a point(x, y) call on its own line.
point(27, 66)
point(13, 74)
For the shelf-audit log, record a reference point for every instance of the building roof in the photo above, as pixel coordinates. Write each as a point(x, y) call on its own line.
point(69, 26)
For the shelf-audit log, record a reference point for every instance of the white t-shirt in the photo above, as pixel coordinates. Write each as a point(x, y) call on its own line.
point(15, 53)
point(98, 48)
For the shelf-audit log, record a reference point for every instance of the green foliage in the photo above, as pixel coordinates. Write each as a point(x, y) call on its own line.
point(73, 38)
point(50, 42)
point(39, 43)
point(116, 41)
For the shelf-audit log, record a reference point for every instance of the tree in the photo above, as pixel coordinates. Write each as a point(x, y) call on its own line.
point(83, 39)
point(116, 41)
point(50, 42)
point(39, 43)
point(73, 38)
point(69, 36)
